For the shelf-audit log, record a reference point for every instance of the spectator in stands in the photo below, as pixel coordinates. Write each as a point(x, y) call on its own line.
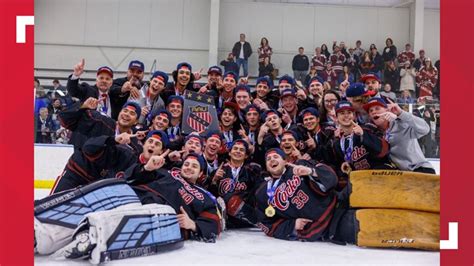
point(319, 60)
point(406, 56)
point(329, 75)
point(390, 51)
point(366, 64)
point(391, 76)
point(377, 60)
point(53, 109)
point(426, 79)
point(405, 98)
point(242, 51)
point(407, 77)
point(58, 90)
point(99, 91)
point(312, 73)
point(436, 91)
point(264, 51)
point(229, 64)
point(328, 108)
point(325, 51)
point(41, 100)
point(420, 61)
point(388, 93)
point(358, 51)
point(300, 65)
point(345, 75)
point(44, 126)
point(337, 60)
point(372, 46)
point(266, 69)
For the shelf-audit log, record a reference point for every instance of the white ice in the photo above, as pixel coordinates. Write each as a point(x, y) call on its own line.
point(252, 247)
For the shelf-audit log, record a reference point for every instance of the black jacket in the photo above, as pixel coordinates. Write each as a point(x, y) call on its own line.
point(247, 50)
point(117, 98)
point(230, 66)
point(300, 63)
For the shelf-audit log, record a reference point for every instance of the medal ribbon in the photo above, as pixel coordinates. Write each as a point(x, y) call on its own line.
point(347, 152)
point(271, 187)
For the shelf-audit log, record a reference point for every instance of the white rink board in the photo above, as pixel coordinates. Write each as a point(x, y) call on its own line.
point(51, 159)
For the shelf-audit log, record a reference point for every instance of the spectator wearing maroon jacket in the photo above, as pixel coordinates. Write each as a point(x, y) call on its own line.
point(426, 79)
point(319, 60)
point(264, 51)
point(366, 64)
point(406, 56)
point(337, 60)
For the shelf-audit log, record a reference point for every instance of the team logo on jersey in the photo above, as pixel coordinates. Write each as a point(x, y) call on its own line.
point(358, 153)
point(175, 173)
point(228, 185)
point(199, 117)
point(284, 192)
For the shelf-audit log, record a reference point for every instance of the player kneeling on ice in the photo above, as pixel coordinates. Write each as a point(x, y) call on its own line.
point(299, 202)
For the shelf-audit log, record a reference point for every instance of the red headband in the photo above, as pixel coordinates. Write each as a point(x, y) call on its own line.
point(156, 136)
point(160, 78)
point(185, 67)
point(131, 107)
point(284, 81)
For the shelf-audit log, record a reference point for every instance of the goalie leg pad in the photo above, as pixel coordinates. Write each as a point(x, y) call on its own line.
point(388, 228)
point(58, 215)
point(131, 232)
point(393, 189)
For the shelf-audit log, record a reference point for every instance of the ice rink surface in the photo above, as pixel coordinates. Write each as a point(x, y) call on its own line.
point(252, 247)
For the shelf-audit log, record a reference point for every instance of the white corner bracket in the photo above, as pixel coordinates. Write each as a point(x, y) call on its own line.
point(452, 242)
point(21, 23)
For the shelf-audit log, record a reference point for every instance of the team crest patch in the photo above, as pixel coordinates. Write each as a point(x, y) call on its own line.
point(199, 117)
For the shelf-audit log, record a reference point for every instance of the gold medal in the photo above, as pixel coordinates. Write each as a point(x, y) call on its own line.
point(270, 211)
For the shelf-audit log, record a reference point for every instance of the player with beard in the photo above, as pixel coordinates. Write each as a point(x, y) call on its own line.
point(183, 80)
point(227, 93)
point(315, 138)
point(372, 82)
point(236, 182)
point(229, 124)
point(214, 81)
point(270, 132)
point(150, 100)
point(198, 212)
point(127, 88)
point(175, 107)
point(85, 122)
point(298, 200)
point(263, 96)
point(107, 157)
point(355, 147)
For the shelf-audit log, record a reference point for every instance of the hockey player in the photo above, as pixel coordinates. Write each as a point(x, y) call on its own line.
point(356, 147)
point(106, 157)
point(85, 122)
point(198, 213)
point(236, 182)
point(297, 202)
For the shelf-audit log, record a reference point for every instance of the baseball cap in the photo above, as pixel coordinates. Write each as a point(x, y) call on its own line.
point(215, 69)
point(105, 69)
point(344, 105)
point(136, 64)
point(359, 89)
point(373, 102)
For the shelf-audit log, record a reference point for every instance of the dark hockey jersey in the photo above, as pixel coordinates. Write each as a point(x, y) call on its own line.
point(168, 187)
point(298, 197)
